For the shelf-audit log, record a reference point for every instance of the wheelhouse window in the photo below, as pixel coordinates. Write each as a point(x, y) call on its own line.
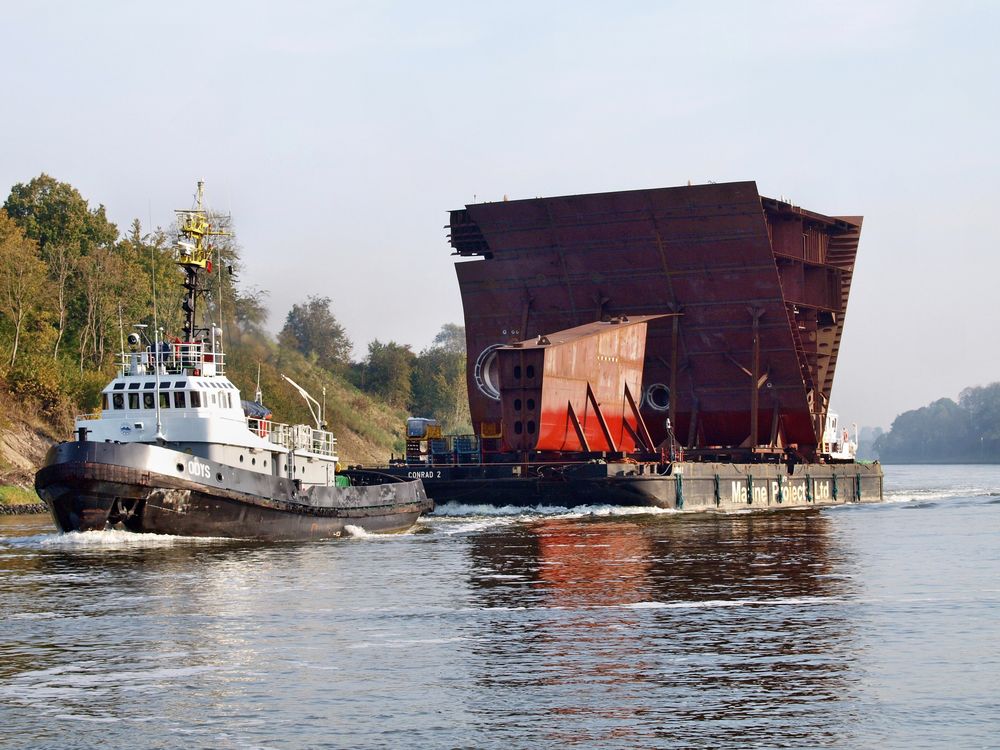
point(195, 399)
point(164, 400)
point(104, 402)
point(148, 402)
point(133, 401)
point(179, 400)
point(118, 401)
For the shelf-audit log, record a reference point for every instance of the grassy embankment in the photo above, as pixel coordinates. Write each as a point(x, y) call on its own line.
point(13, 495)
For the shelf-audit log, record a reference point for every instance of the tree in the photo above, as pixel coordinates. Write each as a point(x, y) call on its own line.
point(937, 433)
point(22, 278)
point(439, 385)
point(388, 370)
point(451, 338)
point(250, 311)
point(57, 217)
point(149, 260)
point(313, 330)
point(983, 405)
point(104, 280)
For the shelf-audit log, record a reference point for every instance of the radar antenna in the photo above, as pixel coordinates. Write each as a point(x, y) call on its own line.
point(194, 254)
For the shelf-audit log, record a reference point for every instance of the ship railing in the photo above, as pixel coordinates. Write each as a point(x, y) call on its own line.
point(177, 358)
point(294, 437)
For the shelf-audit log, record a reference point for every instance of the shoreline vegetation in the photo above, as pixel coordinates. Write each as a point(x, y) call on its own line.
point(16, 501)
point(944, 432)
point(72, 286)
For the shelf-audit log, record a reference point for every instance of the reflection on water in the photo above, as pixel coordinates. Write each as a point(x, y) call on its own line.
point(624, 627)
point(854, 627)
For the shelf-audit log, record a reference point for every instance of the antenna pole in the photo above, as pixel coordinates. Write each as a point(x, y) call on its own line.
point(222, 319)
point(152, 279)
point(156, 365)
point(121, 332)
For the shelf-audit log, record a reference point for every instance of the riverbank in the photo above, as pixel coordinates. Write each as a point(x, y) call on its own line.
point(22, 509)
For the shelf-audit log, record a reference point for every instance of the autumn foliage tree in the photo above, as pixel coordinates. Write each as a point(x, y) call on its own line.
point(388, 370)
point(22, 279)
point(312, 329)
point(439, 388)
point(58, 218)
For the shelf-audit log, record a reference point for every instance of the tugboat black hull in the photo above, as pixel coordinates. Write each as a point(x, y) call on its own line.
point(149, 489)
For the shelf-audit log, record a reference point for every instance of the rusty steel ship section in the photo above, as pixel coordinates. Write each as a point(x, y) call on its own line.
point(576, 390)
point(752, 291)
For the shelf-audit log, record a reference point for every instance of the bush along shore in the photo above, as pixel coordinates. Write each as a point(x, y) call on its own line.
point(16, 501)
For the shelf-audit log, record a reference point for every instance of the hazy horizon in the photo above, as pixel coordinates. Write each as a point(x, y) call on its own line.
point(339, 135)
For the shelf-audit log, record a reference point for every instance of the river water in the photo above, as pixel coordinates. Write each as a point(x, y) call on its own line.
point(854, 627)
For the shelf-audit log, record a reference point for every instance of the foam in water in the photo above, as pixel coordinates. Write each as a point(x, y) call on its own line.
point(931, 494)
point(356, 532)
point(713, 603)
point(107, 539)
point(463, 510)
point(461, 518)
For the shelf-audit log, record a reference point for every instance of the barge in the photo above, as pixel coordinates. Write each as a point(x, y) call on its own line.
point(672, 347)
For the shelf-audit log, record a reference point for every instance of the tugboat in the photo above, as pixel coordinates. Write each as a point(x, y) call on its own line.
point(174, 450)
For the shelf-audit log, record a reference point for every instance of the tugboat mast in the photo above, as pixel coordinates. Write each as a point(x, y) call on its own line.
point(194, 253)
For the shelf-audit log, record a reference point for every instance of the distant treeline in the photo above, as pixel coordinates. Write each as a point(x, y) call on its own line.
point(72, 286)
point(947, 432)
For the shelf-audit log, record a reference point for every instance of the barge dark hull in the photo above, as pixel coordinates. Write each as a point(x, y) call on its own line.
point(93, 486)
point(682, 486)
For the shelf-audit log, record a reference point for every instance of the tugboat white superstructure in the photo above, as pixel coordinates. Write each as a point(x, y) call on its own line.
point(175, 450)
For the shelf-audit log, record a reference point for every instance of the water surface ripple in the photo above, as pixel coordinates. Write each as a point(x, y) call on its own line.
point(854, 627)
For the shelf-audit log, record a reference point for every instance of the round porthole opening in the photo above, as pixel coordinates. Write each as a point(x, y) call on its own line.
point(658, 397)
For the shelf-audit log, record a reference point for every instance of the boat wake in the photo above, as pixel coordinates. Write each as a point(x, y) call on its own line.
point(356, 532)
point(108, 539)
point(462, 518)
point(715, 603)
point(935, 494)
point(463, 510)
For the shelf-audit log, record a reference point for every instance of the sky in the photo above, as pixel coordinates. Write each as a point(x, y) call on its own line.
point(339, 135)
